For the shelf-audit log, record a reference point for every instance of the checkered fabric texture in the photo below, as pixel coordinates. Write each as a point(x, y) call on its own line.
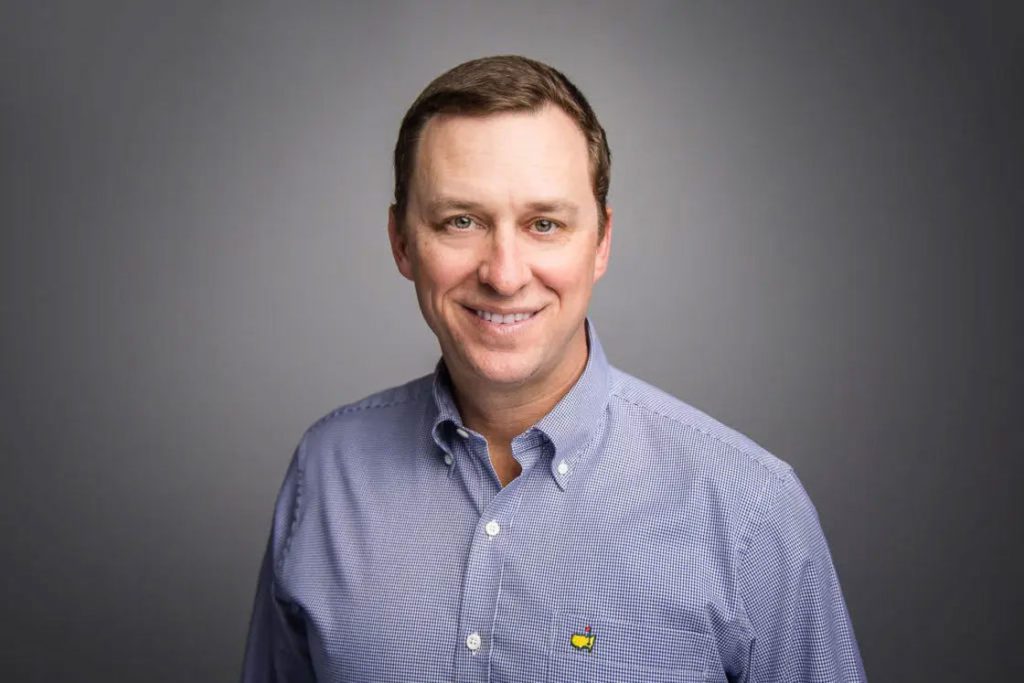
point(644, 541)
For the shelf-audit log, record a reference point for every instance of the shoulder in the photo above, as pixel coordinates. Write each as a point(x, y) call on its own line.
point(733, 477)
point(341, 444)
point(678, 421)
point(728, 473)
point(373, 418)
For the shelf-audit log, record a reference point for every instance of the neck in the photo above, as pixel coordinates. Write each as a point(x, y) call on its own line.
point(500, 413)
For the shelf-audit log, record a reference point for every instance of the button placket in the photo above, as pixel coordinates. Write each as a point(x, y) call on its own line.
point(482, 584)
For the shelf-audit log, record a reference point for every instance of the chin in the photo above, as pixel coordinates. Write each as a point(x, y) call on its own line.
point(507, 369)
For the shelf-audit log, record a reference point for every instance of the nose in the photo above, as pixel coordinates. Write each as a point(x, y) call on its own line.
point(504, 267)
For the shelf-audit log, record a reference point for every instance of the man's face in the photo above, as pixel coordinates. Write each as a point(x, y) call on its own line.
point(501, 241)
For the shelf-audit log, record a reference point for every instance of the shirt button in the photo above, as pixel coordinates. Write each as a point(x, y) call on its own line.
point(563, 467)
point(473, 641)
point(462, 432)
point(447, 458)
point(492, 528)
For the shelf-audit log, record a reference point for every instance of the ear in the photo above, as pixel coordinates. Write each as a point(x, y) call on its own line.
point(399, 245)
point(604, 247)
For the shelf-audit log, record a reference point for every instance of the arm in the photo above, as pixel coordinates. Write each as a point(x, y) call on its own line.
point(800, 628)
point(277, 650)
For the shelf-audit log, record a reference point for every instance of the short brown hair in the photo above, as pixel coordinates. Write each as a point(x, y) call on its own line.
point(501, 84)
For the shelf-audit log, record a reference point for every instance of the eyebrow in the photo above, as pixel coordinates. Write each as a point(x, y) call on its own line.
point(553, 206)
point(540, 206)
point(452, 204)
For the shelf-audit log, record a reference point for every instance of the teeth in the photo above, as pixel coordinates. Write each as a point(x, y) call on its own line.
point(503, 319)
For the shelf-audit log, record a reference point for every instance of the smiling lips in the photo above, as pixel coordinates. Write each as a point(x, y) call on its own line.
point(503, 319)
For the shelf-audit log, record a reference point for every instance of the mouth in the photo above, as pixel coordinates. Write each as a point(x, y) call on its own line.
point(503, 319)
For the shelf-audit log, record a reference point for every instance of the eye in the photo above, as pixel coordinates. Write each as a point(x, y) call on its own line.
point(544, 226)
point(461, 222)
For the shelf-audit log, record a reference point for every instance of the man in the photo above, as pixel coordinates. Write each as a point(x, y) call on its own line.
point(528, 512)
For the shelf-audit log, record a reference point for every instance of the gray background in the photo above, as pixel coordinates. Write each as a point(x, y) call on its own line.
point(818, 219)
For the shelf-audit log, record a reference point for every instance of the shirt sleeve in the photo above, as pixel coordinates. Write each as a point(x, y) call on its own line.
point(277, 649)
point(800, 626)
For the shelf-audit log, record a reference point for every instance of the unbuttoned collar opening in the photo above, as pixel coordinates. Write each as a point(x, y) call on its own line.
point(571, 426)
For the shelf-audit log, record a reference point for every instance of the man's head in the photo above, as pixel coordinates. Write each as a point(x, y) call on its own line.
point(501, 177)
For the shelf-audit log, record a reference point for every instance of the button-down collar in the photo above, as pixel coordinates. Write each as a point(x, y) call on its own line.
point(570, 427)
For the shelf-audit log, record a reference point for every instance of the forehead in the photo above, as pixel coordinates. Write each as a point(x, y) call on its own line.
point(520, 154)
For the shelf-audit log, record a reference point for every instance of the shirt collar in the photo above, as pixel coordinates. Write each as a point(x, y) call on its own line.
point(570, 426)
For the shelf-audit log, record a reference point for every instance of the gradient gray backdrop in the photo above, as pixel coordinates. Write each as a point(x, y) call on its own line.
point(817, 225)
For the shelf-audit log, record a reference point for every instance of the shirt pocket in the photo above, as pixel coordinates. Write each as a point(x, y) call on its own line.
point(617, 651)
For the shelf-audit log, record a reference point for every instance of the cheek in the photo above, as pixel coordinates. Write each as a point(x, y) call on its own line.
point(441, 268)
point(568, 273)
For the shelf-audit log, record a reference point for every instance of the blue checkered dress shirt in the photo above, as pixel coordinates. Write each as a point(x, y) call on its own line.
point(643, 542)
